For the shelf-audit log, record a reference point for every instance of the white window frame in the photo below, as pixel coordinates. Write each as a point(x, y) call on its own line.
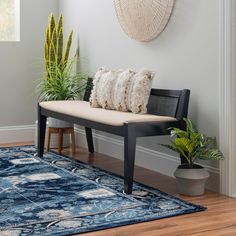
point(17, 20)
point(227, 114)
point(16, 25)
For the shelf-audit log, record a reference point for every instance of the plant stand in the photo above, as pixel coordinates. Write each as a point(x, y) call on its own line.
point(60, 132)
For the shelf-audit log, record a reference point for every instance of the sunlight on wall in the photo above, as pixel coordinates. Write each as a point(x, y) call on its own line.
point(9, 20)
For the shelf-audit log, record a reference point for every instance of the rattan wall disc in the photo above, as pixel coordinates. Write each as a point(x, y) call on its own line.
point(143, 20)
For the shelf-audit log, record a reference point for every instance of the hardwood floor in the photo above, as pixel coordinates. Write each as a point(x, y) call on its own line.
point(218, 220)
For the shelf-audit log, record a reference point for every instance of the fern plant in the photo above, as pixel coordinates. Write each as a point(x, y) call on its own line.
point(192, 145)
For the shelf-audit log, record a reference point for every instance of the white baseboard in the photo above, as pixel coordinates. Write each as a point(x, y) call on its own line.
point(147, 158)
point(11, 134)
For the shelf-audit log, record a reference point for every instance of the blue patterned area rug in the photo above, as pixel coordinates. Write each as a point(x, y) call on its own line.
point(58, 196)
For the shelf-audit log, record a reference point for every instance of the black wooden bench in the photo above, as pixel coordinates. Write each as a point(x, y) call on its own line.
point(162, 103)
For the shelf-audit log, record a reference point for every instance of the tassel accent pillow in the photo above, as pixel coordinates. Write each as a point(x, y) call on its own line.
point(122, 90)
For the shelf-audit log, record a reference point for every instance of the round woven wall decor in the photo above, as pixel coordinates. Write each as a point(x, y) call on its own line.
point(143, 20)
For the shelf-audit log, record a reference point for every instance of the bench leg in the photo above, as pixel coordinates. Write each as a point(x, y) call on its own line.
point(89, 136)
point(129, 158)
point(41, 132)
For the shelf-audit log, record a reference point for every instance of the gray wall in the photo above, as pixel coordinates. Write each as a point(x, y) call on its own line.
point(185, 55)
point(21, 64)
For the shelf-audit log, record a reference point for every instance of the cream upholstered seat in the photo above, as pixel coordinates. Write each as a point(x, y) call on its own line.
point(83, 110)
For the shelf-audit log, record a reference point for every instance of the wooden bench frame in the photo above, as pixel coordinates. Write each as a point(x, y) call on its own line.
point(161, 102)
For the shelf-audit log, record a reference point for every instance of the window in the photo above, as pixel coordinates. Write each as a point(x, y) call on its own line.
point(9, 20)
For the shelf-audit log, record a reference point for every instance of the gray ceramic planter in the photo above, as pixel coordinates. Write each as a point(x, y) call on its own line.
point(191, 182)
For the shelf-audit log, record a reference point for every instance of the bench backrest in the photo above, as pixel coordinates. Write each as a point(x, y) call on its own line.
point(161, 102)
point(172, 103)
point(88, 89)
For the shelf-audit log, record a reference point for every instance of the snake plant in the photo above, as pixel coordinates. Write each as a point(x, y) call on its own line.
point(61, 81)
point(54, 45)
point(192, 145)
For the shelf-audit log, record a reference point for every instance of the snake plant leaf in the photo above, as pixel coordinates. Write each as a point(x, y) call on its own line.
point(52, 25)
point(52, 56)
point(46, 54)
point(68, 46)
point(60, 47)
point(78, 52)
point(60, 25)
point(54, 43)
point(48, 38)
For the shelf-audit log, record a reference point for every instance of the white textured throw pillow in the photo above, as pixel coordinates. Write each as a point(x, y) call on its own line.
point(93, 97)
point(121, 90)
point(139, 91)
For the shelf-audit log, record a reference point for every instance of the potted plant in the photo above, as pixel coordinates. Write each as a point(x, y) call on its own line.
point(61, 80)
point(192, 145)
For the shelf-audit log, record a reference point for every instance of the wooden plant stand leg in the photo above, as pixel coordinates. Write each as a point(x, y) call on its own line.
point(48, 139)
point(73, 141)
point(60, 132)
point(60, 139)
point(71, 132)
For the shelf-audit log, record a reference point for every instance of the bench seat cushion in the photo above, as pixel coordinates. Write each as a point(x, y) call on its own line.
point(83, 110)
